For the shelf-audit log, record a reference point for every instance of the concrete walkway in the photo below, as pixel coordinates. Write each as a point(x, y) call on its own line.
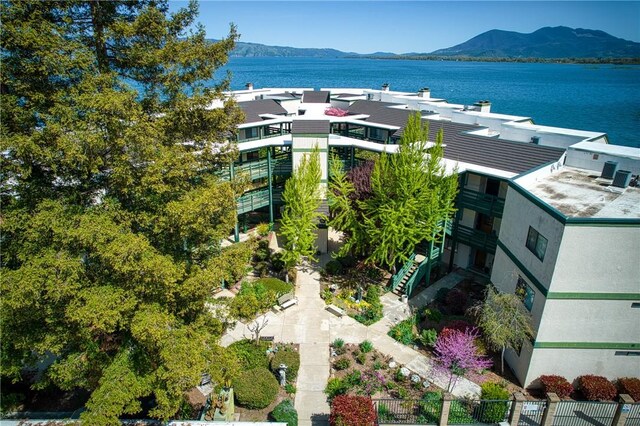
point(313, 328)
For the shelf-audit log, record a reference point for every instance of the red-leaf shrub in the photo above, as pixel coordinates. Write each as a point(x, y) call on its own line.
point(349, 410)
point(596, 388)
point(556, 384)
point(630, 386)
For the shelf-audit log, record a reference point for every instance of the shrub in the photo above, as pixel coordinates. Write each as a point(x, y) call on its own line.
point(255, 389)
point(335, 386)
point(596, 388)
point(285, 412)
point(361, 359)
point(403, 331)
point(291, 358)
point(333, 267)
point(495, 398)
point(441, 295)
point(338, 343)
point(250, 354)
point(556, 384)
point(347, 261)
point(630, 386)
point(433, 315)
point(342, 364)
point(348, 410)
point(457, 301)
point(277, 286)
point(366, 346)
point(428, 337)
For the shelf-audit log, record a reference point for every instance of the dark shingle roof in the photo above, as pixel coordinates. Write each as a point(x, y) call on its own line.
point(315, 97)
point(310, 127)
point(511, 156)
point(253, 109)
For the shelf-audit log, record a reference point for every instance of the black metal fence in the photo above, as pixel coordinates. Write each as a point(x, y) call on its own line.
point(398, 411)
point(579, 413)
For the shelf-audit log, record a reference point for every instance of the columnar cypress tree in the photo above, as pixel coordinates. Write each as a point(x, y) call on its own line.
point(111, 218)
point(302, 199)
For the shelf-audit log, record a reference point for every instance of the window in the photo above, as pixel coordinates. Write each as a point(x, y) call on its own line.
point(525, 293)
point(536, 243)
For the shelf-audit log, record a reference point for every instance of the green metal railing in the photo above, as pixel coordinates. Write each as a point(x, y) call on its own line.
point(481, 202)
point(477, 239)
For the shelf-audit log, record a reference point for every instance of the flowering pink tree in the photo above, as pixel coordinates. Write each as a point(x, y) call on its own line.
point(336, 112)
point(457, 355)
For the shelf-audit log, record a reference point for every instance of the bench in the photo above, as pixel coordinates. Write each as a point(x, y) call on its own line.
point(335, 310)
point(287, 300)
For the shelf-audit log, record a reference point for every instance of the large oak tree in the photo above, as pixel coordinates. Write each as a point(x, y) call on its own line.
point(111, 211)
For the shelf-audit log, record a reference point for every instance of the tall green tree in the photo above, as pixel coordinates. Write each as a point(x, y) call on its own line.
point(302, 199)
point(111, 217)
point(504, 321)
point(411, 194)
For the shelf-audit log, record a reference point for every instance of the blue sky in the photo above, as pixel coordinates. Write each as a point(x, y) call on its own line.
point(405, 26)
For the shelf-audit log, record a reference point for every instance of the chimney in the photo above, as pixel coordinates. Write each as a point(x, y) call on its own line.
point(385, 87)
point(424, 93)
point(249, 86)
point(483, 106)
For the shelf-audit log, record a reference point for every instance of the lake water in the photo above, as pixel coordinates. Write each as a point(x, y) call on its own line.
point(603, 98)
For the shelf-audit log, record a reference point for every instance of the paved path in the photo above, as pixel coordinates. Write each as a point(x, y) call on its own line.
point(313, 328)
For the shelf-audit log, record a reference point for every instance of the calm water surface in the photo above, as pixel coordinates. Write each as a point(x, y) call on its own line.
point(602, 98)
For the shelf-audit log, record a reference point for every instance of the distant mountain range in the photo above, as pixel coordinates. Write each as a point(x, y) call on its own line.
point(545, 43)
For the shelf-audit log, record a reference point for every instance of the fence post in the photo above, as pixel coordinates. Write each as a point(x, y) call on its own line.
point(446, 405)
point(622, 411)
point(550, 411)
point(516, 408)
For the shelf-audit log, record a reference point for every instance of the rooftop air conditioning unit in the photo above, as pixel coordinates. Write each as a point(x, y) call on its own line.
point(609, 169)
point(622, 179)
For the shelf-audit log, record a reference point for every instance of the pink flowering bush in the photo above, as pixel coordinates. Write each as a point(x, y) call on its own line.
point(335, 112)
point(457, 355)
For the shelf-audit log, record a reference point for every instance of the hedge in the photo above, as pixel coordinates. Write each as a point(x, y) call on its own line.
point(349, 410)
point(255, 389)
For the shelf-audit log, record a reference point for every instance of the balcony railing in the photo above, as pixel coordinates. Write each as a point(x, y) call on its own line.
point(477, 239)
point(480, 202)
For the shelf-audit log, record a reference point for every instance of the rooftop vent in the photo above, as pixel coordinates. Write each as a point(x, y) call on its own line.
point(249, 86)
point(609, 169)
point(622, 179)
point(535, 139)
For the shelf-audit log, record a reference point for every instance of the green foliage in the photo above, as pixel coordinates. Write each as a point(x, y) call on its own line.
point(404, 331)
point(366, 346)
point(410, 194)
point(336, 386)
point(428, 337)
point(301, 197)
point(495, 399)
point(279, 287)
point(342, 364)
point(111, 217)
point(251, 300)
point(338, 343)
point(249, 354)
point(433, 314)
point(504, 321)
point(333, 267)
point(288, 356)
point(255, 389)
point(285, 412)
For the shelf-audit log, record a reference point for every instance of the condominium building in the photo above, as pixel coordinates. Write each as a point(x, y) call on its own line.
point(547, 213)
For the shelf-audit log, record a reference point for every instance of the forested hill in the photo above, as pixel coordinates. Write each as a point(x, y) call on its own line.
point(548, 42)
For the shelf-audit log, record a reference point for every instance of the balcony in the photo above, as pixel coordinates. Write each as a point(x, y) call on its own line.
point(487, 204)
point(477, 239)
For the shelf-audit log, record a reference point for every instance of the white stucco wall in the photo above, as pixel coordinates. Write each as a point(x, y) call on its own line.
point(519, 214)
point(598, 259)
point(572, 363)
